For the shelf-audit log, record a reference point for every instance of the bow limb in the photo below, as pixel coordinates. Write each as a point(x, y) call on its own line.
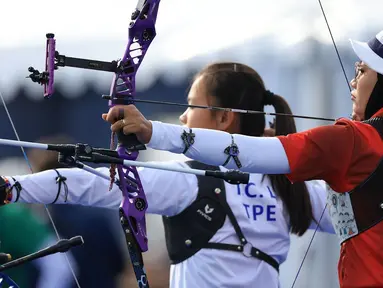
point(349, 87)
point(30, 167)
point(132, 210)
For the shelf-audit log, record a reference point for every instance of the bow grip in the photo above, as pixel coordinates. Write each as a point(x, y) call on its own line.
point(130, 142)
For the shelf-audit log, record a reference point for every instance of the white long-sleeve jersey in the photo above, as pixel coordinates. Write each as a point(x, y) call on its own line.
point(260, 214)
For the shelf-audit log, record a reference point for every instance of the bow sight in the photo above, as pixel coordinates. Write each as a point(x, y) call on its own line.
point(141, 33)
point(55, 60)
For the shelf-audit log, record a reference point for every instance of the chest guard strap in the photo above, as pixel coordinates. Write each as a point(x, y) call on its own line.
point(192, 229)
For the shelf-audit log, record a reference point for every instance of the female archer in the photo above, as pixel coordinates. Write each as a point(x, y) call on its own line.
point(347, 155)
point(204, 246)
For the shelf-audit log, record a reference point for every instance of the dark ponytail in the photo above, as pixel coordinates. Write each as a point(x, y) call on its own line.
point(295, 196)
point(234, 85)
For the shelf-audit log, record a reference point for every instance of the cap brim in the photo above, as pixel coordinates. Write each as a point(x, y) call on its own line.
point(365, 54)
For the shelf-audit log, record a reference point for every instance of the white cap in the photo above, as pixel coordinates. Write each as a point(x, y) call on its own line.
point(370, 52)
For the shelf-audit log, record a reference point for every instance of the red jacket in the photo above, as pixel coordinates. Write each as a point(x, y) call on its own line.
point(343, 155)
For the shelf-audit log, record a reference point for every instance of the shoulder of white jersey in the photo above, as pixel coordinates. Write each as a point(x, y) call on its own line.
point(318, 191)
point(318, 185)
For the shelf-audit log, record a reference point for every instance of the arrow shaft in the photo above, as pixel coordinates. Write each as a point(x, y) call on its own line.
point(244, 111)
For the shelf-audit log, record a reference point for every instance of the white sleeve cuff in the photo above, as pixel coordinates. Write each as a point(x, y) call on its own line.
point(166, 136)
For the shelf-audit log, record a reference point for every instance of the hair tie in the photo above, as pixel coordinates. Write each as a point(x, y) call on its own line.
point(268, 98)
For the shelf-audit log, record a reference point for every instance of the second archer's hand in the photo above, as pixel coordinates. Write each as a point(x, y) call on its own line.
point(132, 123)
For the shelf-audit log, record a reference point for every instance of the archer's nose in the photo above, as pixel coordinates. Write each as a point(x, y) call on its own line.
point(183, 117)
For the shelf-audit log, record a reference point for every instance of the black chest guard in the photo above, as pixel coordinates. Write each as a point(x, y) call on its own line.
point(358, 210)
point(367, 197)
point(192, 229)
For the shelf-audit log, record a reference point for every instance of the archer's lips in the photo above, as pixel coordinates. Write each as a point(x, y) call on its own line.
point(353, 98)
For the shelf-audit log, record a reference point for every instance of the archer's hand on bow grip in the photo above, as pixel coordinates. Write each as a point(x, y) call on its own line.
point(132, 124)
point(130, 141)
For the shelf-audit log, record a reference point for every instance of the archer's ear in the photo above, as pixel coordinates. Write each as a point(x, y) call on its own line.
point(225, 119)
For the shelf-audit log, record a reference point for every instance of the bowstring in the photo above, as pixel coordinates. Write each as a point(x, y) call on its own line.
point(335, 46)
point(307, 251)
point(349, 87)
point(31, 169)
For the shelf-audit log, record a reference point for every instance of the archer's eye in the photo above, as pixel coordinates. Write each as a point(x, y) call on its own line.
point(360, 70)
